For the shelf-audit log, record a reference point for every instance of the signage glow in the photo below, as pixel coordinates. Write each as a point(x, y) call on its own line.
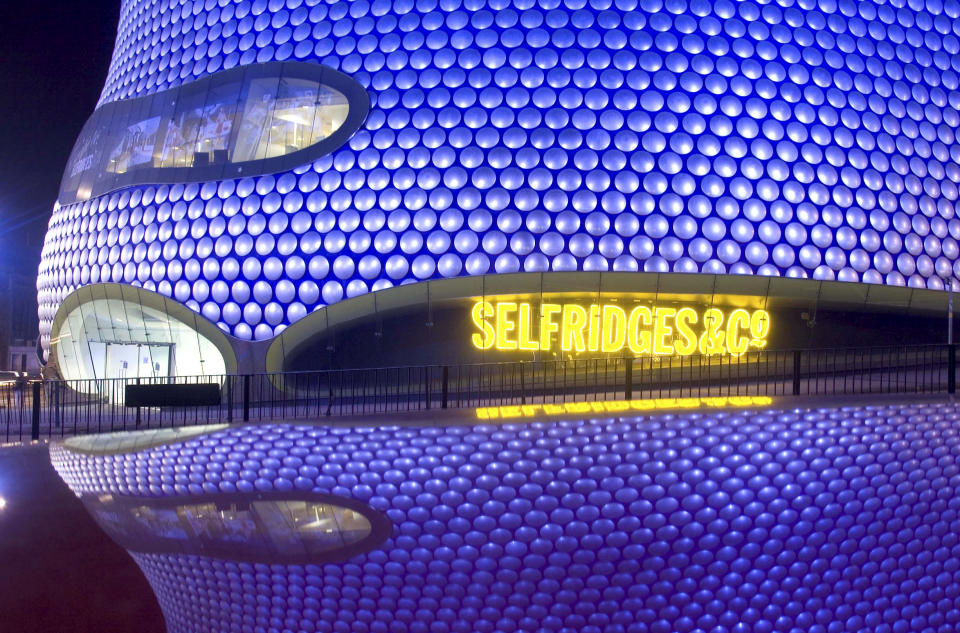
point(610, 328)
point(618, 406)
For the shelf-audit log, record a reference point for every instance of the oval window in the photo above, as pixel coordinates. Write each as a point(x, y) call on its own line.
point(246, 121)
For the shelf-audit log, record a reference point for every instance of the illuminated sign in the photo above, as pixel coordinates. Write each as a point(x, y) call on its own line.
point(611, 328)
point(618, 406)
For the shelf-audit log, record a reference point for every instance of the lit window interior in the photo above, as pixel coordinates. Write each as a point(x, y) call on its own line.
point(113, 338)
point(212, 127)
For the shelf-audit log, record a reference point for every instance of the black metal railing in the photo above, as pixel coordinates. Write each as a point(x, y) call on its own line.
point(59, 408)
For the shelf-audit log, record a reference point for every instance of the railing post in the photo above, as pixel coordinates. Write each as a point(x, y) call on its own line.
point(125, 402)
point(35, 426)
point(426, 381)
point(796, 372)
point(445, 377)
point(523, 386)
point(246, 398)
point(230, 399)
point(57, 411)
point(329, 393)
point(628, 379)
point(952, 369)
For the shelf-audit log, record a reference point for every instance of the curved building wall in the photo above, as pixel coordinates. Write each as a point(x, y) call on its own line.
point(811, 140)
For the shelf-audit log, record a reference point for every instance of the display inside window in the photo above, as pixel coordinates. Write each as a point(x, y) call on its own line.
point(117, 339)
point(240, 122)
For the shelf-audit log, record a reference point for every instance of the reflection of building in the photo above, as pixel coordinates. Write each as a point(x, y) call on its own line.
point(801, 520)
point(782, 159)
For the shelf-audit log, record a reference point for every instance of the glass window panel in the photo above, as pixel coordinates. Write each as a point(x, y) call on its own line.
point(180, 141)
point(165, 522)
point(251, 137)
point(130, 305)
point(162, 159)
point(239, 527)
point(121, 144)
point(84, 160)
point(84, 359)
point(159, 110)
point(100, 178)
point(138, 140)
point(68, 352)
point(294, 111)
point(217, 122)
point(117, 327)
point(330, 113)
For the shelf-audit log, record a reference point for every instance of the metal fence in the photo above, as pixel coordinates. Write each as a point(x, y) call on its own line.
point(58, 408)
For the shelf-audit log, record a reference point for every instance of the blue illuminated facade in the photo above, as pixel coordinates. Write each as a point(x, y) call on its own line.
point(815, 140)
point(829, 520)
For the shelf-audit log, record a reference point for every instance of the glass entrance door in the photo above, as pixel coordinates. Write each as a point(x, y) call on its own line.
point(137, 360)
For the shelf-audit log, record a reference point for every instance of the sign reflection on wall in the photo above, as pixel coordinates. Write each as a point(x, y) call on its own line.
point(618, 406)
point(612, 328)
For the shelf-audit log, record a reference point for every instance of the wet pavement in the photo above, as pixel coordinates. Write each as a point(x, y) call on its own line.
point(823, 517)
point(58, 570)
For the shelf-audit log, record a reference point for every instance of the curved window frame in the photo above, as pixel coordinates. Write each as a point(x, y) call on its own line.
point(108, 118)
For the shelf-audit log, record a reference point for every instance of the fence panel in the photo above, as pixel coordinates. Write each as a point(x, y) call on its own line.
point(95, 406)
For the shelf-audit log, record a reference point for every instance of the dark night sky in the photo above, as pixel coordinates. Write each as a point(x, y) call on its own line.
point(54, 56)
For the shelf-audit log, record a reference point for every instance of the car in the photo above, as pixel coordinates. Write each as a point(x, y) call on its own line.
point(9, 378)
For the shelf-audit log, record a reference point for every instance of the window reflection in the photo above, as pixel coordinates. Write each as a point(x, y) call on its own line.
point(241, 527)
point(134, 441)
point(220, 126)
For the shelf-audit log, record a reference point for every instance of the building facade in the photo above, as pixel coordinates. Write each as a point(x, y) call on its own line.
point(275, 184)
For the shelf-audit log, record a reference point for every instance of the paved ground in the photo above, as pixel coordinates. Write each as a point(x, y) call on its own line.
point(60, 572)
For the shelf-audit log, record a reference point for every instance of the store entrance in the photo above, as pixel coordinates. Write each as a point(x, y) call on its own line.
point(131, 360)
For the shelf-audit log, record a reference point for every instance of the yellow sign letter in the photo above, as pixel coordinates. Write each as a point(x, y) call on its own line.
point(639, 340)
point(661, 331)
point(506, 325)
point(739, 320)
point(482, 310)
point(614, 328)
point(571, 334)
point(547, 325)
point(524, 341)
point(688, 340)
